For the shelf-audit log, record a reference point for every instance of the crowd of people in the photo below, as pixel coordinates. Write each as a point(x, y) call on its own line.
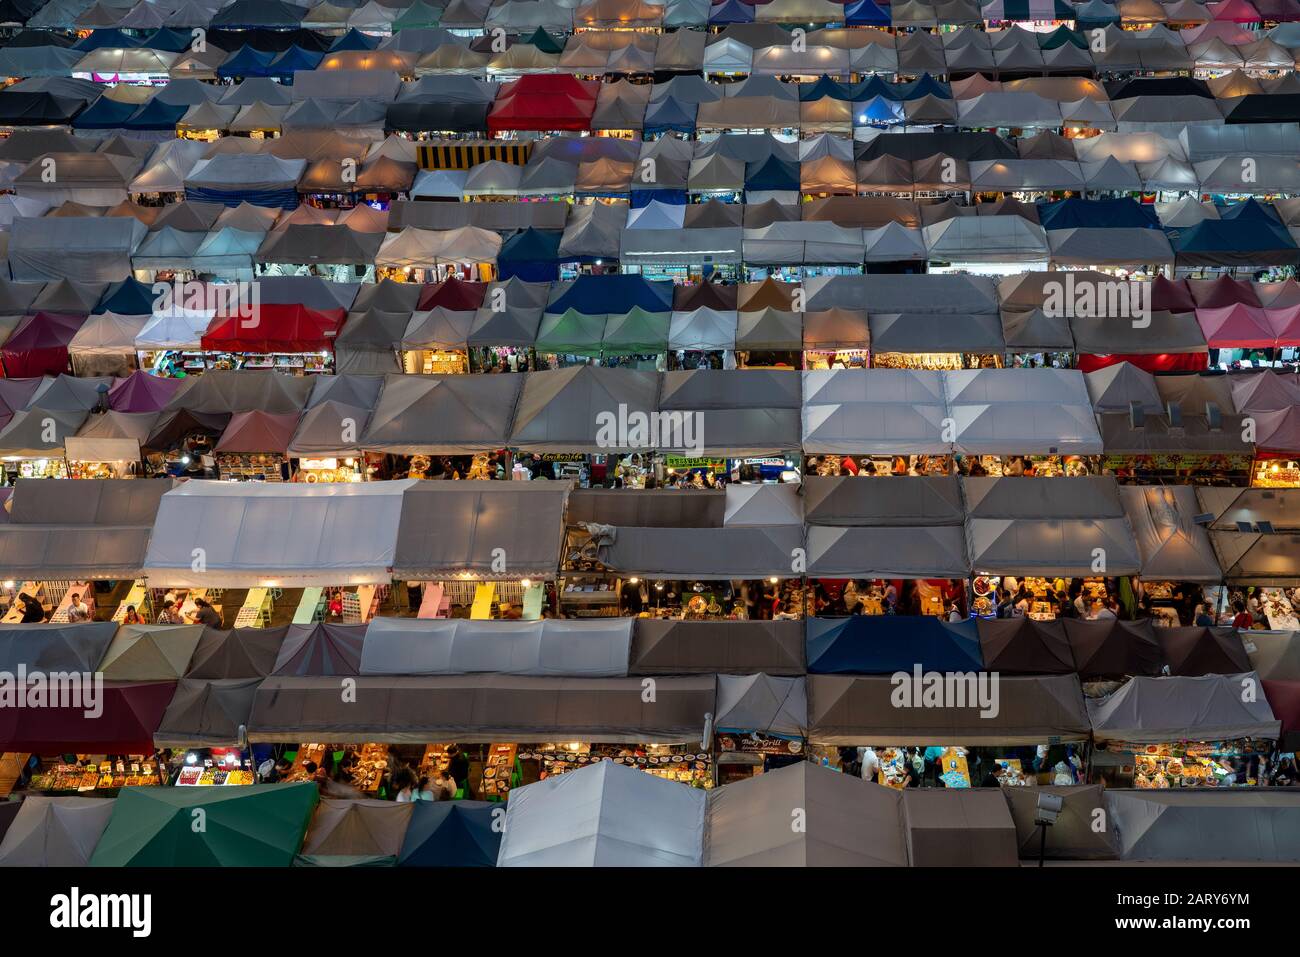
point(401, 782)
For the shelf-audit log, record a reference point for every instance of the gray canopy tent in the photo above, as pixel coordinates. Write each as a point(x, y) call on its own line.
point(560, 410)
point(433, 646)
point(604, 815)
point(904, 500)
point(496, 530)
point(55, 831)
point(747, 551)
point(740, 412)
point(54, 647)
point(1205, 708)
point(1251, 827)
point(951, 827)
point(207, 712)
point(442, 414)
point(1073, 836)
point(847, 822)
point(481, 708)
point(1048, 526)
point(766, 704)
point(671, 646)
point(1171, 545)
point(79, 531)
point(848, 710)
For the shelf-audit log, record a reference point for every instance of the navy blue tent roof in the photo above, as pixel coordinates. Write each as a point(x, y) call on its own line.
point(731, 11)
point(1077, 213)
point(105, 114)
point(884, 644)
point(246, 61)
point(98, 39)
point(156, 115)
point(170, 40)
point(824, 87)
point(354, 39)
point(130, 297)
point(37, 108)
point(1234, 242)
point(865, 13)
point(259, 13)
point(772, 173)
point(598, 295)
point(924, 85)
point(531, 255)
point(295, 58)
point(1251, 211)
point(669, 114)
point(452, 834)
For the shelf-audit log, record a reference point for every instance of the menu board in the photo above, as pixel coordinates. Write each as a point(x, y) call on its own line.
point(497, 769)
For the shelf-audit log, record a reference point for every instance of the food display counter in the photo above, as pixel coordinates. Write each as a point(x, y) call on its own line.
point(1182, 764)
point(97, 775)
point(680, 763)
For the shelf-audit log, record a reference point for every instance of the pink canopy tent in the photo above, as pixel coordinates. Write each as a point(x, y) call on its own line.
point(258, 431)
point(142, 392)
point(1236, 327)
point(1278, 431)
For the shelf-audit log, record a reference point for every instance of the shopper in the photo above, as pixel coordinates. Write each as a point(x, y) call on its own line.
point(170, 615)
point(444, 786)
point(78, 610)
point(33, 613)
point(132, 617)
point(206, 614)
point(1242, 620)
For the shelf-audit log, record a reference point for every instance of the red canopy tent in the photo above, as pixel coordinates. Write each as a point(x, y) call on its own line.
point(454, 294)
point(544, 101)
point(1159, 362)
point(1235, 11)
point(1284, 698)
point(142, 392)
point(132, 711)
point(1236, 327)
point(1171, 295)
point(1285, 323)
point(39, 345)
point(258, 431)
point(276, 329)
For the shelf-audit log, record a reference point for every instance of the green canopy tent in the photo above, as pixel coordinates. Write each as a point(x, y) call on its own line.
point(254, 826)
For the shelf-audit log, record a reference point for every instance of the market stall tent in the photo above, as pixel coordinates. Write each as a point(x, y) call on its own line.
point(605, 815)
point(207, 713)
point(236, 653)
point(452, 834)
point(849, 822)
point(254, 826)
point(40, 344)
point(669, 646)
point(252, 534)
point(55, 831)
point(1025, 646)
point(150, 652)
point(851, 710)
point(454, 529)
point(432, 646)
point(886, 644)
point(355, 832)
point(480, 708)
point(54, 647)
point(954, 827)
point(130, 713)
point(1248, 828)
point(1073, 836)
point(1206, 708)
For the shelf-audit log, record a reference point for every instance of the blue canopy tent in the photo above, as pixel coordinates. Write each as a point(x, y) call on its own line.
point(1251, 211)
point(293, 59)
point(865, 13)
point(924, 85)
point(884, 644)
point(824, 87)
point(772, 173)
point(1251, 240)
point(170, 40)
point(602, 295)
point(731, 11)
point(105, 114)
point(1075, 213)
point(452, 834)
point(246, 61)
point(99, 39)
point(130, 297)
point(672, 197)
point(530, 255)
point(878, 111)
point(156, 115)
point(354, 39)
point(669, 114)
